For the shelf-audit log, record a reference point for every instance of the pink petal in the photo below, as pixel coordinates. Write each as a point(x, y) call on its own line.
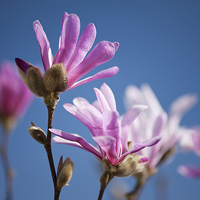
point(100, 54)
point(127, 120)
point(102, 74)
point(144, 159)
point(84, 44)
point(108, 144)
point(22, 65)
point(184, 103)
point(178, 108)
point(102, 100)
point(69, 36)
point(189, 171)
point(44, 45)
point(108, 94)
point(151, 99)
point(111, 127)
point(78, 113)
point(60, 140)
point(65, 15)
point(76, 138)
point(132, 114)
point(93, 115)
point(196, 139)
point(137, 147)
point(133, 96)
point(157, 130)
point(116, 45)
point(159, 124)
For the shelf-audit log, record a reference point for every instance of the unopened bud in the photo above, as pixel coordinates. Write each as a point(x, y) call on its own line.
point(55, 79)
point(37, 133)
point(34, 81)
point(22, 68)
point(64, 172)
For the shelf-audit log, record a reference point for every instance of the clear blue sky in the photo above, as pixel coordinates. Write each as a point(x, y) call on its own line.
point(159, 45)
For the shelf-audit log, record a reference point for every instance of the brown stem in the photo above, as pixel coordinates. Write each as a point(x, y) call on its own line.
point(49, 151)
point(101, 192)
point(141, 180)
point(6, 165)
point(105, 179)
point(134, 195)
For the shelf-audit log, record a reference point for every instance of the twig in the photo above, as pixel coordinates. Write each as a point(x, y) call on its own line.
point(134, 195)
point(104, 180)
point(49, 152)
point(141, 180)
point(6, 165)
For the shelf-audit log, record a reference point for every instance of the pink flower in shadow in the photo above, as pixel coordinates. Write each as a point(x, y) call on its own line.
point(15, 97)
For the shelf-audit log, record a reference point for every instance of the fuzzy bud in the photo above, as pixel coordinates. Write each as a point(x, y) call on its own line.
point(64, 172)
point(55, 78)
point(107, 166)
point(128, 167)
point(34, 81)
point(37, 133)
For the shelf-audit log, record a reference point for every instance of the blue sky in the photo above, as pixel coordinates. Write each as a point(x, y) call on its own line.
point(159, 45)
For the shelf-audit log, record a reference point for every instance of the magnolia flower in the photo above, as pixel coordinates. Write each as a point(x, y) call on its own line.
point(109, 132)
point(69, 64)
point(15, 97)
point(190, 141)
point(155, 121)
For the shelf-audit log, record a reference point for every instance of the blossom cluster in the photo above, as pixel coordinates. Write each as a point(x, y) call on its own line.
point(131, 144)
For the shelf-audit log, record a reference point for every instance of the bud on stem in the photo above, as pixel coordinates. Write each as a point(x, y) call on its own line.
point(64, 172)
point(48, 85)
point(37, 134)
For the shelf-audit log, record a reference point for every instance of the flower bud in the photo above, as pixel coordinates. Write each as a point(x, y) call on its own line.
point(55, 79)
point(22, 68)
point(34, 81)
point(37, 133)
point(64, 172)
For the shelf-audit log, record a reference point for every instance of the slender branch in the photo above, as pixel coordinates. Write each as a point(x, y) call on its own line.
point(134, 195)
point(49, 151)
point(141, 177)
point(106, 177)
point(6, 165)
point(101, 192)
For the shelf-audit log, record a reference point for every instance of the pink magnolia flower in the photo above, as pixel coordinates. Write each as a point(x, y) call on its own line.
point(154, 122)
point(108, 130)
point(72, 52)
point(15, 97)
